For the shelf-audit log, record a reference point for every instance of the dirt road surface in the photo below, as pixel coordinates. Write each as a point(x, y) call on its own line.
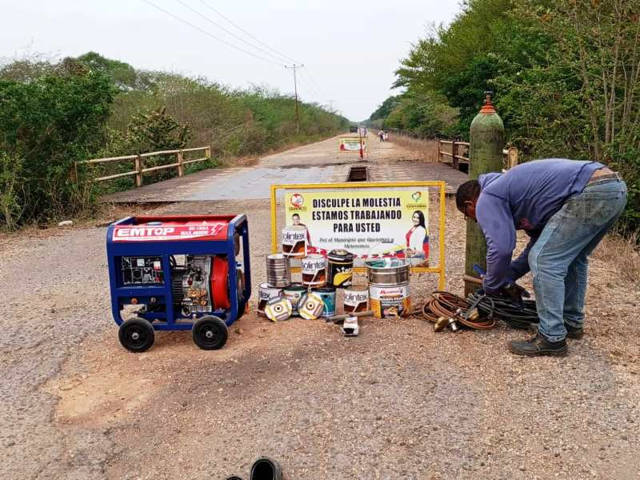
point(398, 402)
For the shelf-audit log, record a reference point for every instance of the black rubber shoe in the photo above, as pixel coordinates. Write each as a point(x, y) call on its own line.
point(234, 478)
point(574, 332)
point(537, 346)
point(265, 469)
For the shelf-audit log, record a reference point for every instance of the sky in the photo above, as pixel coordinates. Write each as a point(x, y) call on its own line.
point(349, 49)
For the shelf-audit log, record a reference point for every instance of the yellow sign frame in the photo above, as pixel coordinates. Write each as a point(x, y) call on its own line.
point(439, 269)
point(363, 141)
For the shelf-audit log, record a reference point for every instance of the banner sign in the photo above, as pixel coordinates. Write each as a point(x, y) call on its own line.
point(170, 232)
point(352, 144)
point(365, 222)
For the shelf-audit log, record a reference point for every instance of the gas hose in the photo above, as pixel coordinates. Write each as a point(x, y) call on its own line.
point(478, 312)
point(450, 306)
point(515, 315)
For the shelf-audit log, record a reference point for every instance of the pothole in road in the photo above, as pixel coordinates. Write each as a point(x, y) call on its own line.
point(358, 173)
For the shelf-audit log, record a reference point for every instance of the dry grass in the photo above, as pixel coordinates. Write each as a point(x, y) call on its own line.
point(622, 254)
point(425, 150)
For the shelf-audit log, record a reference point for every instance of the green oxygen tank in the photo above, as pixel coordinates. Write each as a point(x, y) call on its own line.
point(485, 153)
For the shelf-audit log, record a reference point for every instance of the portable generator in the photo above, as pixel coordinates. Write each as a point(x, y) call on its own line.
point(178, 273)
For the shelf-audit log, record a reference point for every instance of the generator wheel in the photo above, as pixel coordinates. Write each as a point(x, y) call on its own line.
point(210, 333)
point(136, 335)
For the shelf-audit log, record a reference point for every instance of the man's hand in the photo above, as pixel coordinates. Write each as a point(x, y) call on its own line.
point(514, 292)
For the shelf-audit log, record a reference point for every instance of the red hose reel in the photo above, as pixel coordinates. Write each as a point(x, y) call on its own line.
point(220, 282)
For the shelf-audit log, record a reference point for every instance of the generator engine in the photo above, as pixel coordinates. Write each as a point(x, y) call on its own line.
point(192, 284)
point(200, 285)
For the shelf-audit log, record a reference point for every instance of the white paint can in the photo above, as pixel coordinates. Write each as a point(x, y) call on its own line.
point(390, 300)
point(356, 300)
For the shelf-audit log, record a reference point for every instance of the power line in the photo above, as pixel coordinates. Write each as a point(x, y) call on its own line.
point(218, 12)
point(313, 85)
point(201, 30)
point(309, 74)
point(208, 19)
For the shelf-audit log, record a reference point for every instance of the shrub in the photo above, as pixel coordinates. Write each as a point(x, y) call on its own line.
point(46, 124)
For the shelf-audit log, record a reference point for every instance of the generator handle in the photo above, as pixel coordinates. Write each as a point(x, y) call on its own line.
point(241, 224)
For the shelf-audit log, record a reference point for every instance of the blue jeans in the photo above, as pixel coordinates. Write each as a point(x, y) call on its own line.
point(558, 259)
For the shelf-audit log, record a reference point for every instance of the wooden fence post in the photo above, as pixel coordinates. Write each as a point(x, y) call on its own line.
point(138, 163)
point(207, 152)
point(180, 166)
point(439, 150)
point(454, 154)
point(512, 155)
point(73, 173)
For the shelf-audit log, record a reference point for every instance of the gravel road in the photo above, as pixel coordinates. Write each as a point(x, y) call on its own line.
point(398, 402)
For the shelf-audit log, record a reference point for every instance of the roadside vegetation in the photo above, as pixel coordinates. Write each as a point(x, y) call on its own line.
point(53, 114)
point(566, 78)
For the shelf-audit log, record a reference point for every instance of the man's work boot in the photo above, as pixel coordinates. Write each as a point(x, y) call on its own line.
point(574, 332)
point(538, 345)
point(265, 469)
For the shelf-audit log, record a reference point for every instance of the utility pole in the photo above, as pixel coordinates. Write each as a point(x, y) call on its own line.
point(295, 88)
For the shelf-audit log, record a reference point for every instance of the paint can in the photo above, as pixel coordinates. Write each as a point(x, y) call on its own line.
point(310, 306)
point(390, 300)
point(278, 309)
point(328, 296)
point(294, 293)
point(356, 299)
point(340, 269)
point(294, 241)
point(314, 270)
point(388, 271)
point(265, 293)
point(278, 270)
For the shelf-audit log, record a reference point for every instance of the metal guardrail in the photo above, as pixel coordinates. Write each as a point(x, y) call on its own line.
point(138, 163)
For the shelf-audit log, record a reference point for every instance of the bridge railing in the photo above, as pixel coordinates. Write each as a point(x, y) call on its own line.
point(458, 152)
point(138, 163)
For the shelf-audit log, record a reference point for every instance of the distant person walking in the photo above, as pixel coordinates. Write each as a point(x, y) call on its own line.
point(381, 135)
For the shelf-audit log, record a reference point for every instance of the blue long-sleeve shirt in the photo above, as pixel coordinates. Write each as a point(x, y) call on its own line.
point(525, 197)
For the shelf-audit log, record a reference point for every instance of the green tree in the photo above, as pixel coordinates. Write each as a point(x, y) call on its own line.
point(46, 124)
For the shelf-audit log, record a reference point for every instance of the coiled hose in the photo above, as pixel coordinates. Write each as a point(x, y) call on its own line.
point(448, 305)
point(489, 309)
point(515, 315)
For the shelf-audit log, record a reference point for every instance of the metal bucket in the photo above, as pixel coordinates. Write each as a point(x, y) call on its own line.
point(356, 299)
point(328, 296)
point(390, 300)
point(294, 241)
point(340, 271)
point(278, 271)
point(388, 271)
point(314, 271)
point(265, 293)
point(294, 293)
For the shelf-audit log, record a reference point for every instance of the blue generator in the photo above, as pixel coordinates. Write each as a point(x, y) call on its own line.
point(178, 273)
